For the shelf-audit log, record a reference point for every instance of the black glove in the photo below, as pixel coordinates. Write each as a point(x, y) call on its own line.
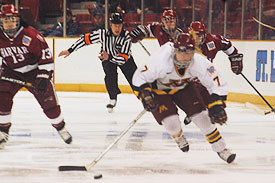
point(139, 33)
point(216, 110)
point(236, 63)
point(42, 80)
point(147, 99)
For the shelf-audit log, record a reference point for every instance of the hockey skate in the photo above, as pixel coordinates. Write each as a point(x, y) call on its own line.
point(111, 105)
point(3, 139)
point(65, 135)
point(226, 155)
point(182, 143)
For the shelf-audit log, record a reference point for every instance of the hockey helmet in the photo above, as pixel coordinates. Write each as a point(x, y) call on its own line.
point(8, 10)
point(116, 18)
point(9, 19)
point(198, 27)
point(184, 41)
point(169, 16)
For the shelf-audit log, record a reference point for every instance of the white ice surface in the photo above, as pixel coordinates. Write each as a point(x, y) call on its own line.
point(145, 154)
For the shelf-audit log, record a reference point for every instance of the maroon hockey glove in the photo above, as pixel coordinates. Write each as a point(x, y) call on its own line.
point(138, 33)
point(236, 63)
point(216, 110)
point(147, 99)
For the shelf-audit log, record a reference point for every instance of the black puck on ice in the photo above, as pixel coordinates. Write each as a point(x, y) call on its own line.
point(98, 176)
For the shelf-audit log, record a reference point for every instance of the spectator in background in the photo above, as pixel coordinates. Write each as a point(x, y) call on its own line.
point(150, 6)
point(98, 22)
point(57, 29)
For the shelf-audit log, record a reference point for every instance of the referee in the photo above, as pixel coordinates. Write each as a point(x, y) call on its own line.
point(115, 52)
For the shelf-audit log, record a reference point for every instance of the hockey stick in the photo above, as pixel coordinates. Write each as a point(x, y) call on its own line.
point(272, 109)
point(100, 156)
point(144, 48)
point(268, 26)
point(12, 80)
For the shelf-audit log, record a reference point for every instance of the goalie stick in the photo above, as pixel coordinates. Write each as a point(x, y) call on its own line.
point(17, 81)
point(268, 26)
point(100, 156)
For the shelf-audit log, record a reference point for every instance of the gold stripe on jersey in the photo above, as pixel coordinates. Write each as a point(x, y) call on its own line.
point(162, 92)
point(214, 136)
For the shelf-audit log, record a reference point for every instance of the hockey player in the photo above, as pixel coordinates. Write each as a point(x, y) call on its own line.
point(116, 52)
point(165, 31)
point(169, 80)
point(209, 44)
point(26, 56)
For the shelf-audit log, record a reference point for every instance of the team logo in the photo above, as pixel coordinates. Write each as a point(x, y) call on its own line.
point(26, 40)
point(211, 45)
point(211, 70)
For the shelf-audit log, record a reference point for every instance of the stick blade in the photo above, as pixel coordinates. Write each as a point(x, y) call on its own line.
point(72, 168)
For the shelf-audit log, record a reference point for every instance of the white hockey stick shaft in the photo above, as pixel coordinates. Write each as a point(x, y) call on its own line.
point(268, 26)
point(100, 156)
point(144, 48)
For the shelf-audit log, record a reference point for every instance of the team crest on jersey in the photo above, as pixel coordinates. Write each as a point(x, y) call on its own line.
point(26, 40)
point(211, 45)
point(211, 70)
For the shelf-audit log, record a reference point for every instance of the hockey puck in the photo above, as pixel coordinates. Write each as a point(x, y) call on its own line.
point(98, 176)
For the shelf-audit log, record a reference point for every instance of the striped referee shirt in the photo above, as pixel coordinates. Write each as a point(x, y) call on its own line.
point(117, 47)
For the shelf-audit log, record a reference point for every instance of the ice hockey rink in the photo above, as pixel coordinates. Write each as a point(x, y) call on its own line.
point(145, 154)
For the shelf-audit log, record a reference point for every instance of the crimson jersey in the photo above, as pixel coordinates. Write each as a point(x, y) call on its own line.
point(214, 43)
point(157, 31)
point(26, 51)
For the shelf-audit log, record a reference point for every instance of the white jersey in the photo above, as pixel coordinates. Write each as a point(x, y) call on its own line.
point(160, 68)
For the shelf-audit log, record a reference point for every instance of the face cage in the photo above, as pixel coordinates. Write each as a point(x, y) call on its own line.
point(168, 19)
point(179, 64)
point(11, 31)
point(203, 39)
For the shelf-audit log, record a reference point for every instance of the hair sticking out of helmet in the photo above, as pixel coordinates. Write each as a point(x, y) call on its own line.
point(9, 20)
point(198, 30)
point(116, 18)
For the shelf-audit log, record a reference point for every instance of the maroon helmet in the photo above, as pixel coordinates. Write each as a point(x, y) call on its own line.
point(198, 27)
point(8, 10)
point(169, 13)
point(184, 41)
point(9, 19)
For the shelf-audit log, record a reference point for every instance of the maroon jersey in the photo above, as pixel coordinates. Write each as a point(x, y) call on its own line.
point(157, 31)
point(214, 43)
point(26, 51)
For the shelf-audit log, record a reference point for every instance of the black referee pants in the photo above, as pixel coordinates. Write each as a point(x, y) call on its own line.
point(111, 81)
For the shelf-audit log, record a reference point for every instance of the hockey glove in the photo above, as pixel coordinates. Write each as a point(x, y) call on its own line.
point(236, 63)
point(41, 81)
point(216, 110)
point(147, 99)
point(139, 33)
